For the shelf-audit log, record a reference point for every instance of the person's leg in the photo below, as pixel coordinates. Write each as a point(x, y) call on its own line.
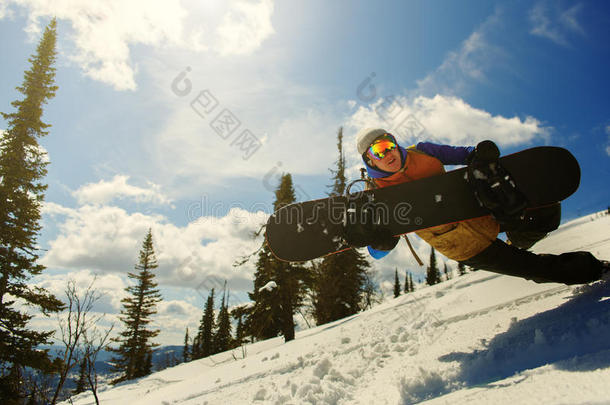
point(567, 268)
point(536, 224)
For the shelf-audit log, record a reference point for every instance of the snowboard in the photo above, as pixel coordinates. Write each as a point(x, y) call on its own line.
point(308, 230)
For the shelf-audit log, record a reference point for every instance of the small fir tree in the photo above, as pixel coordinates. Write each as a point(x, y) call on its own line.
point(396, 284)
point(433, 273)
point(134, 354)
point(222, 338)
point(239, 313)
point(205, 337)
point(185, 350)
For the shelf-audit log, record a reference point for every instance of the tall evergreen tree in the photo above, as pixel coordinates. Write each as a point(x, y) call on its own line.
point(447, 273)
point(186, 353)
point(222, 338)
point(263, 319)
point(274, 309)
point(396, 284)
point(411, 284)
point(340, 280)
point(433, 275)
point(22, 169)
point(196, 348)
point(205, 336)
point(239, 313)
point(406, 286)
point(135, 351)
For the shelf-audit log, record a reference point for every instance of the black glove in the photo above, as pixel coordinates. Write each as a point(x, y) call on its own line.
point(484, 153)
point(492, 184)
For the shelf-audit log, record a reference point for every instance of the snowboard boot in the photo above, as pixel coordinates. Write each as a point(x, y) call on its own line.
point(534, 226)
point(493, 186)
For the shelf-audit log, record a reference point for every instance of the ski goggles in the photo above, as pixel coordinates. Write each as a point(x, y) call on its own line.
point(382, 146)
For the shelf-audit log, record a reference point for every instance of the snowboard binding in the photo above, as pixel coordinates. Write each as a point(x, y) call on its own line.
point(493, 186)
point(365, 222)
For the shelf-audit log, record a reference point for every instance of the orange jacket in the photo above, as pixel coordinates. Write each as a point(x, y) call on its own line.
point(458, 241)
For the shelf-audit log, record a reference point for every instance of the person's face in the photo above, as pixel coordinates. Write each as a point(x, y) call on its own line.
point(390, 162)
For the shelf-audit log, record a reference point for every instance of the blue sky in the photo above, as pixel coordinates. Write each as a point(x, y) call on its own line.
point(132, 144)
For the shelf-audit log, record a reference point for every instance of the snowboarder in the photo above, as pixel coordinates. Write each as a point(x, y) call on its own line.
point(472, 242)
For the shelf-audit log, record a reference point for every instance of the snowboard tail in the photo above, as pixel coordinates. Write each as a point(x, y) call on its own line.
point(311, 229)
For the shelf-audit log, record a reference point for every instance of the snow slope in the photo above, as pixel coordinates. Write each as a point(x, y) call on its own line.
point(480, 338)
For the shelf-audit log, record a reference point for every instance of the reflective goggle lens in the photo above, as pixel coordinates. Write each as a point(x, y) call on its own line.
point(382, 147)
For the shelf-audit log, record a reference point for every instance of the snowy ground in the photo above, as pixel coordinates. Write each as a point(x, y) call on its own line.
point(480, 338)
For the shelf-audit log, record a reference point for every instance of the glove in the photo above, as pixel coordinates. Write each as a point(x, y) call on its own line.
point(485, 152)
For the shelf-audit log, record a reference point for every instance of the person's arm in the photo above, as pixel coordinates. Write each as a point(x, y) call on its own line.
point(448, 155)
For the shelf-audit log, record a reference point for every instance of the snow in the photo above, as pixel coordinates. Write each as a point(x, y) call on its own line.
point(268, 287)
point(481, 338)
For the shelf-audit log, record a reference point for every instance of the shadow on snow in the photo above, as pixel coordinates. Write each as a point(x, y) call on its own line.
point(566, 336)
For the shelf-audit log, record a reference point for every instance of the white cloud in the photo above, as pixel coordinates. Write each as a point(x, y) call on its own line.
point(466, 64)
point(445, 119)
point(554, 24)
point(245, 27)
point(107, 240)
point(104, 32)
point(188, 148)
point(104, 192)
point(110, 287)
point(172, 318)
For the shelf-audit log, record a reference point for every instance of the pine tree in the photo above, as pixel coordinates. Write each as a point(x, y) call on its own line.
point(222, 338)
point(396, 284)
point(274, 309)
point(205, 336)
point(263, 320)
point(81, 383)
point(135, 351)
point(411, 284)
point(406, 287)
point(185, 350)
point(238, 313)
point(446, 271)
point(22, 168)
point(340, 280)
point(433, 273)
point(196, 348)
